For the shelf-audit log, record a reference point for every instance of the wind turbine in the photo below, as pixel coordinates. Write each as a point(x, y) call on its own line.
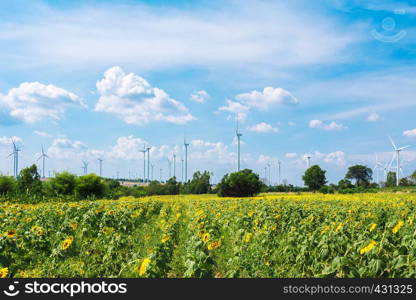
point(278, 168)
point(377, 167)
point(181, 169)
point(85, 167)
point(144, 163)
point(170, 168)
point(308, 157)
point(174, 164)
point(238, 135)
point(43, 156)
point(15, 154)
point(186, 156)
point(269, 166)
point(148, 163)
point(397, 150)
point(100, 161)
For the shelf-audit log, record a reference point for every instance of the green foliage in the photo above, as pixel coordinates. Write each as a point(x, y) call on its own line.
point(361, 174)
point(244, 183)
point(29, 181)
point(62, 184)
point(7, 185)
point(345, 184)
point(314, 178)
point(198, 185)
point(391, 179)
point(90, 185)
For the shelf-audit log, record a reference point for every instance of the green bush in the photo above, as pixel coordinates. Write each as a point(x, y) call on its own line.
point(244, 183)
point(198, 185)
point(7, 185)
point(90, 185)
point(62, 184)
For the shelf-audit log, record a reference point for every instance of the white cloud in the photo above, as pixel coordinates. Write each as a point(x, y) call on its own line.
point(269, 97)
point(135, 101)
point(291, 123)
point(43, 134)
point(64, 148)
point(265, 159)
point(146, 36)
point(263, 128)
point(200, 96)
point(410, 133)
point(373, 117)
point(33, 102)
point(236, 108)
point(328, 127)
point(291, 155)
point(127, 147)
point(263, 101)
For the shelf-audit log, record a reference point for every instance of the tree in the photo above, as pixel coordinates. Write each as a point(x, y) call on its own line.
point(361, 174)
point(405, 181)
point(62, 184)
point(90, 185)
point(244, 183)
point(314, 178)
point(413, 177)
point(29, 180)
point(199, 184)
point(172, 186)
point(345, 184)
point(7, 185)
point(391, 179)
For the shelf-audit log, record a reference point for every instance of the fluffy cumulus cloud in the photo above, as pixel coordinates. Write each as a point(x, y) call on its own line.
point(268, 98)
point(64, 148)
point(333, 126)
point(236, 108)
point(373, 117)
point(128, 147)
point(263, 128)
point(410, 133)
point(199, 96)
point(33, 102)
point(135, 101)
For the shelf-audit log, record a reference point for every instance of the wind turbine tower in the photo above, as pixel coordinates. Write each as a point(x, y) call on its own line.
point(397, 150)
point(239, 135)
point(186, 157)
point(144, 163)
point(85, 167)
point(174, 164)
point(278, 169)
point(148, 163)
point(15, 154)
point(170, 168)
point(43, 156)
point(100, 161)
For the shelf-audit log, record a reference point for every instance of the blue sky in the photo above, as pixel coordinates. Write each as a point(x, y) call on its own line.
point(90, 79)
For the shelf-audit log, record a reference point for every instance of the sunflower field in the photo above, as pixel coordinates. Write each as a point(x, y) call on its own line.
point(271, 235)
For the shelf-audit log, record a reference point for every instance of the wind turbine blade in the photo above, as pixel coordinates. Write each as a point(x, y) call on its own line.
point(391, 161)
point(394, 145)
point(402, 148)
